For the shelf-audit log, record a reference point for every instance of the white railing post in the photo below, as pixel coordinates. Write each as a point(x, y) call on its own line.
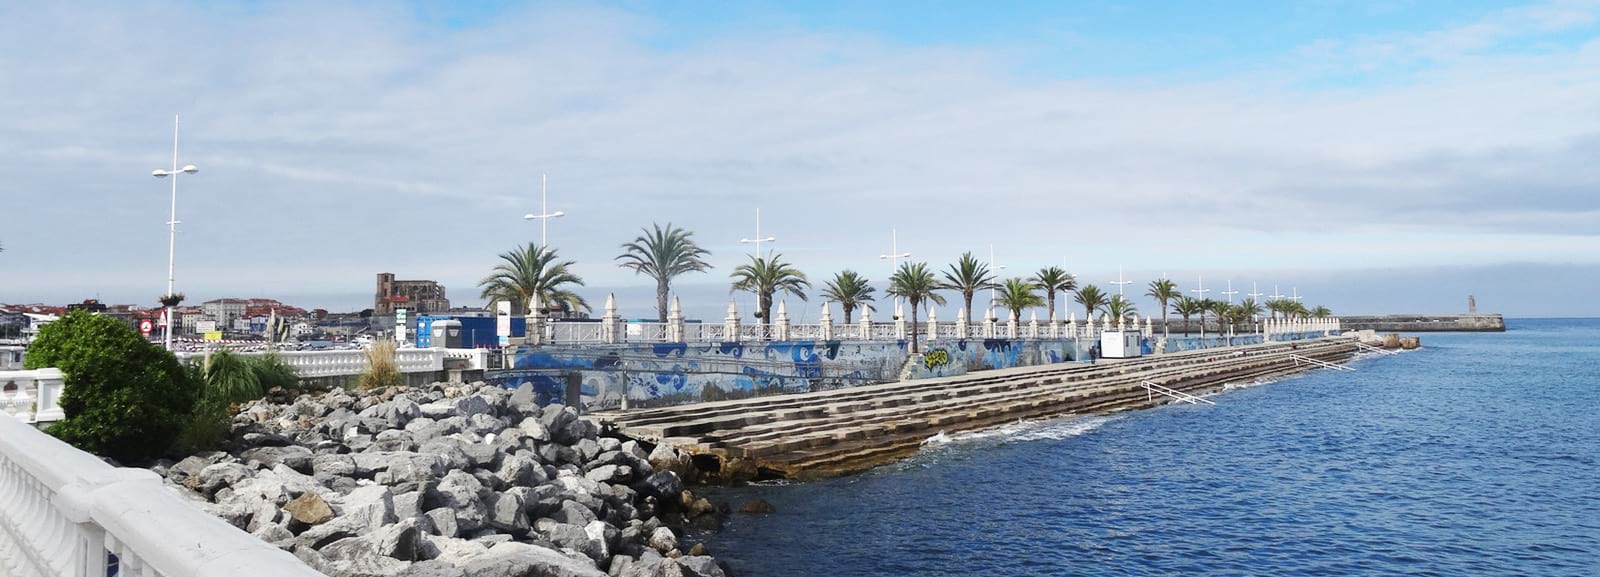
point(533, 332)
point(780, 325)
point(990, 324)
point(933, 324)
point(866, 323)
point(610, 328)
point(900, 332)
point(675, 321)
point(963, 327)
point(825, 327)
point(1033, 326)
point(730, 325)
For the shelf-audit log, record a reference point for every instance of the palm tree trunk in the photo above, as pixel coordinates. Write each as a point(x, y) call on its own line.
point(661, 300)
point(915, 303)
point(847, 311)
point(967, 296)
point(1164, 331)
point(1052, 295)
point(765, 305)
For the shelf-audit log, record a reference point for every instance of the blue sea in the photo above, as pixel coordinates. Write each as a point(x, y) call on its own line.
point(1476, 455)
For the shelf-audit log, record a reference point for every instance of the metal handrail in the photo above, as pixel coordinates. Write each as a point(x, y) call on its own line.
point(1372, 349)
point(1323, 364)
point(1151, 388)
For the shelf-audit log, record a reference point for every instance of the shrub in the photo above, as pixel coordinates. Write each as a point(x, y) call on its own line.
point(381, 369)
point(123, 398)
point(230, 378)
point(272, 372)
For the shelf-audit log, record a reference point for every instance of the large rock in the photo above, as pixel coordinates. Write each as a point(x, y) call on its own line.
point(442, 522)
point(700, 566)
point(369, 507)
point(524, 560)
point(217, 476)
point(610, 474)
point(662, 540)
point(468, 406)
point(535, 429)
point(461, 491)
point(309, 509)
point(663, 485)
point(507, 511)
point(294, 456)
point(572, 513)
point(572, 537)
point(521, 471)
point(190, 467)
point(587, 449)
point(665, 458)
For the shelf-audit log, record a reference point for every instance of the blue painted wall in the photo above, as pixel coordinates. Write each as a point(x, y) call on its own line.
point(675, 373)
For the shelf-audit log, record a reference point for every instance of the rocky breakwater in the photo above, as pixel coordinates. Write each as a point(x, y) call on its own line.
point(449, 481)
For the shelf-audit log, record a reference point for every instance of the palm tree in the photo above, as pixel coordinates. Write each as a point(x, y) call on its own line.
point(1219, 309)
point(1187, 306)
point(1164, 291)
point(1278, 306)
point(968, 275)
point(1296, 310)
point(1091, 298)
point(663, 253)
point(529, 271)
point(851, 291)
point(1251, 308)
point(766, 276)
point(1017, 294)
point(1120, 308)
point(1052, 280)
point(1321, 312)
point(915, 283)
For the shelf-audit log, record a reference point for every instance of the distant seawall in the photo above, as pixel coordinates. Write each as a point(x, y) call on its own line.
point(1476, 323)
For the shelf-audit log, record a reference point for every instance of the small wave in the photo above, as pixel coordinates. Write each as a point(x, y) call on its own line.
point(1050, 429)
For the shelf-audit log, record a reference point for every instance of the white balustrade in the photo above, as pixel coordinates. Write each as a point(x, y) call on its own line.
point(31, 396)
point(645, 332)
point(316, 364)
point(63, 512)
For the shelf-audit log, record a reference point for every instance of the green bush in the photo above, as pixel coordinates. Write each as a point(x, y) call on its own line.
point(124, 398)
point(230, 378)
point(272, 372)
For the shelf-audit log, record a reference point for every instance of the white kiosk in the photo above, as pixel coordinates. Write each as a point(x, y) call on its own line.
point(1120, 345)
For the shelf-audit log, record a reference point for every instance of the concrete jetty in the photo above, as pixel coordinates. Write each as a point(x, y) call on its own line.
point(1467, 323)
point(843, 431)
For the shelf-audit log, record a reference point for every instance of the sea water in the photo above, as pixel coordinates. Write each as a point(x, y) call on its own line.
point(1476, 455)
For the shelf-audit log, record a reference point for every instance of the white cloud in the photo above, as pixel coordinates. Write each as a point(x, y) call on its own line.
point(358, 140)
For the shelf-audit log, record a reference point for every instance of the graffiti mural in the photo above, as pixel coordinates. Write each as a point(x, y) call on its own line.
point(661, 374)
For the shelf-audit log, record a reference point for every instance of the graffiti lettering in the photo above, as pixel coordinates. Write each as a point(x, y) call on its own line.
point(936, 358)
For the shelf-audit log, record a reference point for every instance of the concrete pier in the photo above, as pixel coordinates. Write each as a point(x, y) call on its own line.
point(844, 431)
point(1468, 323)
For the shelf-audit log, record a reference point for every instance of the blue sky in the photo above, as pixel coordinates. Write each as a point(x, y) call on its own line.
point(1308, 144)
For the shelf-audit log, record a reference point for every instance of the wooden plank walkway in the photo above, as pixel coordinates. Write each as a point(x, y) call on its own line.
point(842, 431)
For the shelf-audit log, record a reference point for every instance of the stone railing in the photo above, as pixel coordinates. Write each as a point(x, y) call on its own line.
point(66, 513)
point(31, 396)
point(316, 364)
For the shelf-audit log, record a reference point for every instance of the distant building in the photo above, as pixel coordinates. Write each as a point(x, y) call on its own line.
point(90, 305)
point(416, 296)
point(225, 311)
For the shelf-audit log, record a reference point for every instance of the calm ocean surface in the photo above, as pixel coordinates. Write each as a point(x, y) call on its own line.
point(1477, 455)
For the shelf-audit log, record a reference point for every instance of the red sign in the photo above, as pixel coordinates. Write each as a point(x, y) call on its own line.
point(145, 326)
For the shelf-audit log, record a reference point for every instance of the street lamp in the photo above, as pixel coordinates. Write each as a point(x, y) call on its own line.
point(758, 239)
point(993, 268)
point(172, 222)
point(544, 215)
point(894, 257)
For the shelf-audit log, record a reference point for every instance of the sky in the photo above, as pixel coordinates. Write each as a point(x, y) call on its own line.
point(1376, 157)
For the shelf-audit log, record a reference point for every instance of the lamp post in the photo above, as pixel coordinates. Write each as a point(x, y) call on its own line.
point(544, 215)
point(894, 257)
point(1202, 290)
point(172, 223)
point(1120, 282)
point(993, 268)
point(1230, 292)
point(758, 239)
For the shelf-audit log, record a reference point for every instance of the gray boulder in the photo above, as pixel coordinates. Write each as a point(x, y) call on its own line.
point(665, 458)
point(572, 513)
point(662, 540)
point(663, 485)
point(535, 429)
point(369, 507)
point(610, 474)
point(524, 560)
point(471, 405)
point(700, 566)
point(521, 471)
point(442, 522)
point(507, 511)
point(394, 440)
point(294, 456)
point(217, 476)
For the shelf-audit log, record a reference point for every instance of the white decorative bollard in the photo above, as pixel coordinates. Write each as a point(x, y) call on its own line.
point(963, 328)
point(730, 325)
point(675, 321)
point(825, 328)
point(933, 324)
point(780, 325)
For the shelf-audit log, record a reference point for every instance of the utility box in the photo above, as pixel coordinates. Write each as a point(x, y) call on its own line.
point(445, 334)
point(1120, 345)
